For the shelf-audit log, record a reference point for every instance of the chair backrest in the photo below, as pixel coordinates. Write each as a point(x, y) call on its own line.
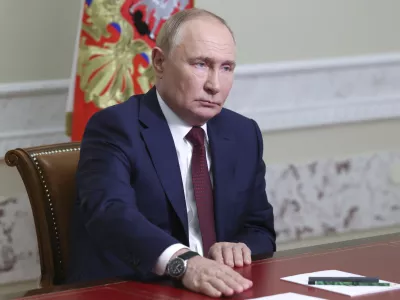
point(48, 173)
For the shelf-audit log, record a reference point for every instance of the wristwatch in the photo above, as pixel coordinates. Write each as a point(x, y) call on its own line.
point(176, 268)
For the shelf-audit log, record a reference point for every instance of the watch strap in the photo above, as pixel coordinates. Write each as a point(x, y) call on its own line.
point(187, 255)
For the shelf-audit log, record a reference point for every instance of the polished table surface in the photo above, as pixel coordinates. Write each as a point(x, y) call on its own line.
point(375, 256)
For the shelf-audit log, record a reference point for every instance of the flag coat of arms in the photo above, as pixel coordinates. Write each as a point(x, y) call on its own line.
point(112, 58)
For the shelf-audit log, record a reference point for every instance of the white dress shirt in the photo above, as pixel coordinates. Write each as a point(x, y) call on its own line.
point(179, 129)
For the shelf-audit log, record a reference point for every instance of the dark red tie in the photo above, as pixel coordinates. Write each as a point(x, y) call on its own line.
point(203, 193)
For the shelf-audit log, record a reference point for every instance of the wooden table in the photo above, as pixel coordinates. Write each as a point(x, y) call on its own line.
point(375, 256)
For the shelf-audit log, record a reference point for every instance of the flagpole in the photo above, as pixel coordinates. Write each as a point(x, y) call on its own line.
point(71, 89)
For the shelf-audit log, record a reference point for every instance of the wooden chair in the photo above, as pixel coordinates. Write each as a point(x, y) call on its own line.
point(48, 173)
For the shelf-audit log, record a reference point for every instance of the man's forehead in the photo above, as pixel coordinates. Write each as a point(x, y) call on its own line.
point(207, 44)
point(208, 29)
point(207, 49)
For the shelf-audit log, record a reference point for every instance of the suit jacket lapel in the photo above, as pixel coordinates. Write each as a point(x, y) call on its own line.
point(160, 144)
point(223, 160)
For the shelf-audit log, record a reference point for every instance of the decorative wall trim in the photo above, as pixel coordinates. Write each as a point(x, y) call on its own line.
point(290, 67)
point(320, 92)
point(333, 196)
point(277, 95)
point(19, 255)
point(29, 138)
point(32, 114)
point(31, 88)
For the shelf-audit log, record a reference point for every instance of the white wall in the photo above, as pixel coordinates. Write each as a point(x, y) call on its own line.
point(281, 30)
point(38, 44)
point(10, 181)
point(335, 141)
point(37, 39)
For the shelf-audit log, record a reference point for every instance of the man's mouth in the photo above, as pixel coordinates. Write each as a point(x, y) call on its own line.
point(208, 102)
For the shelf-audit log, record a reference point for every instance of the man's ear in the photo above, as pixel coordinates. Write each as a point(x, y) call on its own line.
point(158, 59)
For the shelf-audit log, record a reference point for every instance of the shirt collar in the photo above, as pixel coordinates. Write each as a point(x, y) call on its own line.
point(178, 127)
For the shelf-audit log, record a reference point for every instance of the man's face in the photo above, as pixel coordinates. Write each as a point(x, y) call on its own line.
point(197, 75)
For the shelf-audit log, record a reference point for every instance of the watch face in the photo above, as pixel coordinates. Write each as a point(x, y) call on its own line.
point(176, 267)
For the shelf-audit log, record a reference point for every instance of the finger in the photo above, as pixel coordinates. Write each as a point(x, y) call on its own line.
point(209, 290)
point(221, 286)
point(216, 254)
point(227, 253)
point(231, 282)
point(245, 283)
point(237, 256)
point(246, 255)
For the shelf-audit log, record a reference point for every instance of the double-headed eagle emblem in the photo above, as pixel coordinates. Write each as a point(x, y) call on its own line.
point(112, 67)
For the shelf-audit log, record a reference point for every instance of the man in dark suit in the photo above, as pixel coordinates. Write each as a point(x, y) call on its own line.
point(169, 183)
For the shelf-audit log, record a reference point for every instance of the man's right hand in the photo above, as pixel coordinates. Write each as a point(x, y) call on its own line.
point(212, 278)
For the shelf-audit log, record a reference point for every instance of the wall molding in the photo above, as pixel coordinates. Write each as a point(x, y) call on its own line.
point(245, 70)
point(279, 96)
point(301, 94)
point(30, 88)
point(302, 116)
point(32, 114)
point(29, 138)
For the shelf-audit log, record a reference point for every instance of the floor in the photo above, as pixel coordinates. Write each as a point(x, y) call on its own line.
point(15, 290)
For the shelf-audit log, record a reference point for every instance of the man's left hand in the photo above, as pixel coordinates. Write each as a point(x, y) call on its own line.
point(231, 254)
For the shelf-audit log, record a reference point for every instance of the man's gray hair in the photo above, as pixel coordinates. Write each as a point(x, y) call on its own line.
point(169, 31)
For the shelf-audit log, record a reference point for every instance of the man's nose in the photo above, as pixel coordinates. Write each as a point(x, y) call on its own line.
point(212, 85)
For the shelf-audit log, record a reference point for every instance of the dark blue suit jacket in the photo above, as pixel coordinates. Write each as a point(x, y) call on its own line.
point(130, 204)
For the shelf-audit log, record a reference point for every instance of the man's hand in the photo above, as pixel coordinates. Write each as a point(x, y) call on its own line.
point(213, 279)
point(231, 254)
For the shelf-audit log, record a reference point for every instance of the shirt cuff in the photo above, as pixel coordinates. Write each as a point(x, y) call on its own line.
point(164, 258)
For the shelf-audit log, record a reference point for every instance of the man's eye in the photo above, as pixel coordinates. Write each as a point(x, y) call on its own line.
point(200, 64)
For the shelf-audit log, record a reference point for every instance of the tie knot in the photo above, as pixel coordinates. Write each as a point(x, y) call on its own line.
point(196, 136)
